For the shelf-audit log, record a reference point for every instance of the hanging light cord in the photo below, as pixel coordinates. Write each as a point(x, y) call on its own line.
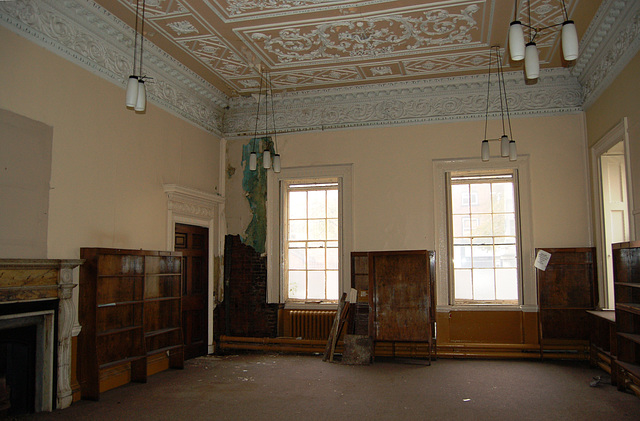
point(255, 133)
point(500, 76)
point(273, 118)
point(135, 40)
point(504, 89)
point(144, 2)
point(486, 114)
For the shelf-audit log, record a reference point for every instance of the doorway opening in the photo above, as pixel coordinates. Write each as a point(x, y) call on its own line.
point(610, 160)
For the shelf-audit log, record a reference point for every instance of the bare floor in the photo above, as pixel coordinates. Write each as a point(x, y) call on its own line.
point(292, 387)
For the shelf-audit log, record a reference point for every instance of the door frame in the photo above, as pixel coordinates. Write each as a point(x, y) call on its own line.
point(619, 133)
point(194, 207)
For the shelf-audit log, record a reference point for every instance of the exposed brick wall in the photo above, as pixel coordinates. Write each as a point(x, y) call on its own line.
point(246, 292)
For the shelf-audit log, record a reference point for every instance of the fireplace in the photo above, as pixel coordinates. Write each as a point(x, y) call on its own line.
point(36, 320)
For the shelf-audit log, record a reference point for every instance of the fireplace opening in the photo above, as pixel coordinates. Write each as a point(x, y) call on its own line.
point(17, 370)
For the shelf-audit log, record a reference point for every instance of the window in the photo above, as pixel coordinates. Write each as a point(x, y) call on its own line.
point(483, 238)
point(309, 235)
point(310, 241)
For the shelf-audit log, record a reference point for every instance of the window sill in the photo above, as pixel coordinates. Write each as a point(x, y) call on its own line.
point(311, 306)
point(487, 307)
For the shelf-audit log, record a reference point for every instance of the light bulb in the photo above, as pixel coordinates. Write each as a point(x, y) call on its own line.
point(504, 145)
point(141, 102)
point(253, 161)
point(516, 41)
point(531, 61)
point(276, 163)
point(266, 159)
point(569, 41)
point(513, 154)
point(485, 150)
point(132, 91)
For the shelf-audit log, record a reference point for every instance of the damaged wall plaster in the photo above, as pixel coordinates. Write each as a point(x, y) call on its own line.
point(254, 184)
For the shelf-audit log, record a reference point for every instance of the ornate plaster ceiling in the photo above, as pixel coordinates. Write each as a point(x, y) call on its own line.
point(320, 44)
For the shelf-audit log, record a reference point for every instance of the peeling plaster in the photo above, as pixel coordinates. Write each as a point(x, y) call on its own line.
point(254, 184)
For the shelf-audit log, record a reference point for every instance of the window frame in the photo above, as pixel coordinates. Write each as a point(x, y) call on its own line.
point(274, 248)
point(491, 176)
point(528, 295)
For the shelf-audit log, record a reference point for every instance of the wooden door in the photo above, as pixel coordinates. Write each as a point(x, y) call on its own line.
point(193, 242)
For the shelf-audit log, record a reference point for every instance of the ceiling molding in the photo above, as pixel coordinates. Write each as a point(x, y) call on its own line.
point(414, 102)
point(610, 42)
point(86, 34)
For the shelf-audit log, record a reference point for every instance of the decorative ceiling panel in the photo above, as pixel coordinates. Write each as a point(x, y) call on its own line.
point(318, 44)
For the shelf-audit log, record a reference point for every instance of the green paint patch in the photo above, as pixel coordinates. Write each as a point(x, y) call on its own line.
point(254, 183)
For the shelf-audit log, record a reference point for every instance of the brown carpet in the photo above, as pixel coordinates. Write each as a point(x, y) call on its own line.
point(291, 387)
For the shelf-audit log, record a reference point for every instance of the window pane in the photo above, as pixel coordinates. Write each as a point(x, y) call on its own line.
point(332, 258)
point(316, 285)
point(462, 256)
point(332, 285)
point(317, 229)
point(332, 203)
point(317, 204)
point(297, 205)
point(505, 240)
point(297, 284)
point(504, 224)
point(483, 284)
point(507, 284)
point(461, 226)
point(480, 194)
point(297, 259)
point(482, 224)
point(297, 230)
point(502, 197)
point(297, 245)
point(460, 198)
point(332, 229)
point(315, 258)
point(462, 284)
point(482, 257)
point(506, 256)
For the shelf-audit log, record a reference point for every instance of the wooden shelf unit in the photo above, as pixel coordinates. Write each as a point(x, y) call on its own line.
point(626, 275)
point(129, 309)
point(603, 343)
point(567, 289)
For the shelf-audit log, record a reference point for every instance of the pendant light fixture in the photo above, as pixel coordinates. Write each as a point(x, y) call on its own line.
point(269, 160)
point(529, 51)
point(136, 96)
point(507, 144)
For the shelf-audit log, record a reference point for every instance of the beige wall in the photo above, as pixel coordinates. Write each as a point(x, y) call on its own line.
point(621, 99)
point(393, 197)
point(108, 163)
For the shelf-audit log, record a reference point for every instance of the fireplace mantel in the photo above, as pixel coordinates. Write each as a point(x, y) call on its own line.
point(28, 280)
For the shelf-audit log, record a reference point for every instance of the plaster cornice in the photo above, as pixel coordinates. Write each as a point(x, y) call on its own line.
point(610, 42)
point(430, 100)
